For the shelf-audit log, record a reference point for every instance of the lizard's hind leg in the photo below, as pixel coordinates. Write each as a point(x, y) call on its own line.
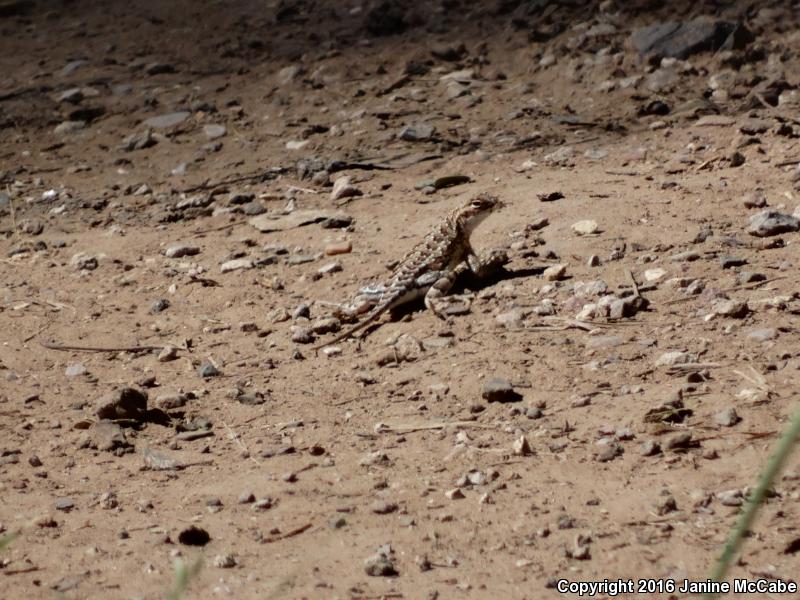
point(435, 297)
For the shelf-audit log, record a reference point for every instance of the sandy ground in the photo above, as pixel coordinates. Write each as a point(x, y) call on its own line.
point(302, 465)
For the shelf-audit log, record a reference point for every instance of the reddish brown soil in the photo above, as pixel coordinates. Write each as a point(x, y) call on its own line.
point(651, 191)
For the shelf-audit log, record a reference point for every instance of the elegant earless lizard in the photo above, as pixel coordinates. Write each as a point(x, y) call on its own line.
point(431, 267)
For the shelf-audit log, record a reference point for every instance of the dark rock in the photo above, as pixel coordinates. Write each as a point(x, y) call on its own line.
point(627, 307)
point(655, 107)
point(449, 53)
point(387, 18)
point(194, 536)
point(159, 68)
point(550, 196)
point(728, 262)
point(681, 39)
point(500, 390)
point(124, 403)
point(770, 222)
point(15, 8)
point(337, 222)
point(159, 305)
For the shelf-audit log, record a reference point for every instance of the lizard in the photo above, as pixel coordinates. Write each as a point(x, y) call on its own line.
point(431, 267)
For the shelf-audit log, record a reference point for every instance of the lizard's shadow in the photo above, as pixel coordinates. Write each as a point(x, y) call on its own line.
point(469, 281)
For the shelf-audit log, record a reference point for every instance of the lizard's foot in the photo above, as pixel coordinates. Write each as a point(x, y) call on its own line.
point(449, 306)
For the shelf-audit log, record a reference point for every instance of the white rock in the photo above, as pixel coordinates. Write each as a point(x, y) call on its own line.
point(654, 274)
point(675, 357)
point(342, 188)
point(585, 227)
point(295, 145)
point(233, 265)
point(555, 272)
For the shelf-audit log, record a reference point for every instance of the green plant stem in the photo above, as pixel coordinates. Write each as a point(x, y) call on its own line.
point(768, 475)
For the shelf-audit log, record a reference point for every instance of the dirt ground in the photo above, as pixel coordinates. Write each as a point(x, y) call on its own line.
point(381, 470)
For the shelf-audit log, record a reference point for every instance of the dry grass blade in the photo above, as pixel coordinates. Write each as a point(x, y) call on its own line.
point(768, 475)
point(183, 577)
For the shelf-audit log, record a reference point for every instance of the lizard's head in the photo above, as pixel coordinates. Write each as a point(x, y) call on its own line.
point(476, 210)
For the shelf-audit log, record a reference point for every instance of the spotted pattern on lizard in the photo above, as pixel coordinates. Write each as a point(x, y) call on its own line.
point(431, 267)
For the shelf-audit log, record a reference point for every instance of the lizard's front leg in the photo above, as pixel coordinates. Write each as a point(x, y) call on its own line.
point(488, 263)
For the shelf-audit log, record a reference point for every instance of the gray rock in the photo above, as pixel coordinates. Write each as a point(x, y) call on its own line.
point(380, 565)
point(687, 256)
point(72, 96)
point(207, 369)
point(514, 319)
point(138, 141)
point(278, 222)
point(500, 390)
point(108, 436)
point(626, 307)
point(75, 370)
point(121, 89)
point(762, 335)
point(69, 127)
point(326, 325)
point(681, 39)
point(214, 131)
point(65, 504)
point(123, 403)
point(254, 208)
point(73, 66)
point(263, 504)
point(679, 441)
point(675, 357)
point(418, 132)
point(289, 73)
point(731, 498)
point(196, 201)
point(181, 250)
point(246, 497)
point(302, 335)
point(770, 222)
point(342, 188)
point(158, 306)
point(735, 309)
point(650, 448)
point(225, 561)
point(727, 417)
point(665, 505)
point(168, 120)
point(170, 401)
point(750, 277)
point(604, 341)
point(608, 452)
